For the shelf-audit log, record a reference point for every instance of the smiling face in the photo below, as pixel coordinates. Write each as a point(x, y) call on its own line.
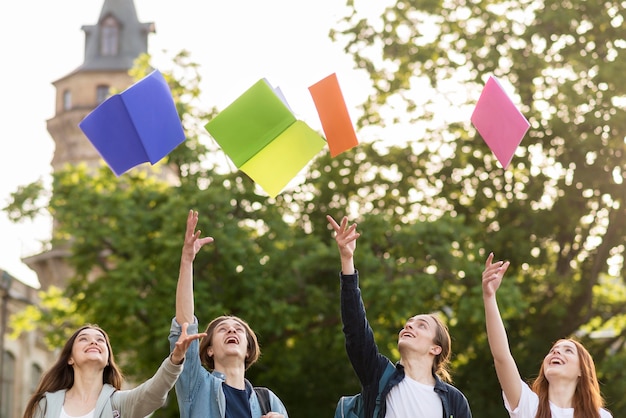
point(562, 360)
point(418, 335)
point(228, 338)
point(90, 347)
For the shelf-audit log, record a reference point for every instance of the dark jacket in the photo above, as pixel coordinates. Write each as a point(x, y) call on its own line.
point(369, 364)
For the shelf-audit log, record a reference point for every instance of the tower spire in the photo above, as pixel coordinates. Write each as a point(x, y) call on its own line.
point(116, 39)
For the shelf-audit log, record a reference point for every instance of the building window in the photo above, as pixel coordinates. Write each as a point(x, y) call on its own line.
point(102, 93)
point(8, 385)
point(67, 100)
point(109, 37)
point(35, 376)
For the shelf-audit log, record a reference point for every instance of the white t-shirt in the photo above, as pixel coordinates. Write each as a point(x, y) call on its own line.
point(529, 403)
point(412, 399)
point(87, 415)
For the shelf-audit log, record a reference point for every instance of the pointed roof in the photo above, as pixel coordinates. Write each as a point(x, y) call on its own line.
point(132, 41)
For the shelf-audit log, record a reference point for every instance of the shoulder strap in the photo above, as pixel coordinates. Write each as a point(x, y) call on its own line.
point(382, 383)
point(384, 379)
point(263, 395)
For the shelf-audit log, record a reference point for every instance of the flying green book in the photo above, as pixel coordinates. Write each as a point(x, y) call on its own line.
point(264, 139)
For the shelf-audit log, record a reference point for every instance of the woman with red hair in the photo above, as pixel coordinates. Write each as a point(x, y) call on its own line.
point(567, 385)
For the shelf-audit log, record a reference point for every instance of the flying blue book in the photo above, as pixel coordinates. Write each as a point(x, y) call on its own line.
point(136, 126)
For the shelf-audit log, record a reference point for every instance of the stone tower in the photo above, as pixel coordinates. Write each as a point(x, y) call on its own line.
point(111, 46)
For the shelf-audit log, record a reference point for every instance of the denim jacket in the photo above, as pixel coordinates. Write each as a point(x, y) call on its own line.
point(199, 392)
point(369, 364)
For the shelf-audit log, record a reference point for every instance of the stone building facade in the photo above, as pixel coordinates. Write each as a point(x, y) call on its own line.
point(111, 46)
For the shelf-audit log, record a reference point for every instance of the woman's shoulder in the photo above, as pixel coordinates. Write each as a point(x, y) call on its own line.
point(605, 413)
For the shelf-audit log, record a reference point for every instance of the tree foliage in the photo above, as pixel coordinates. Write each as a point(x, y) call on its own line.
point(558, 212)
point(429, 211)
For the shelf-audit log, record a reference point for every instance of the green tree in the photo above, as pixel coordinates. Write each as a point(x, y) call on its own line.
point(273, 262)
point(558, 212)
point(429, 211)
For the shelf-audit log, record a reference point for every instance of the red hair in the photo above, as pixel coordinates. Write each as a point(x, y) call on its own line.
point(587, 397)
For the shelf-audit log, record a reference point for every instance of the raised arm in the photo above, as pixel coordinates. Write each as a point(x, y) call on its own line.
point(346, 237)
point(184, 288)
point(361, 347)
point(506, 369)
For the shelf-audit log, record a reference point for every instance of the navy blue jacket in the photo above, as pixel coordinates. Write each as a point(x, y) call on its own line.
point(369, 364)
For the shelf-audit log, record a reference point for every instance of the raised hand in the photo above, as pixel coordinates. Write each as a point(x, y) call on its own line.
point(193, 242)
point(181, 346)
point(492, 275)
point(345, 236)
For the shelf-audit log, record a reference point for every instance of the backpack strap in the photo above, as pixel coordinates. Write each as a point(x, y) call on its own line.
point(382, 383)
point(263, 395)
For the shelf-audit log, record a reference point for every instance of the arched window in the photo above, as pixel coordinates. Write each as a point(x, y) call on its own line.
point(8, 385)
point(35, 375)
point(102, 93)
point(67, 100)
point(109, 37)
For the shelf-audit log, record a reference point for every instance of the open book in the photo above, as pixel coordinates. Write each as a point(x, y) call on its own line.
point(263, 138)
point(138, 125)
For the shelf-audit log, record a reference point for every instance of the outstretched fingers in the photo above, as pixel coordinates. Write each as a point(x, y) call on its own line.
point(333, 223)
point(192, 237)
point(185, 340)
point(493, 274)
point(192, 221)
point(343, 230)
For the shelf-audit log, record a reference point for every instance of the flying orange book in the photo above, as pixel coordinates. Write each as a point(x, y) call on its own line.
point(333, 113)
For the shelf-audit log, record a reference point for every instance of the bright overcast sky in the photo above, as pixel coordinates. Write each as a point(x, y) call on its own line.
point(236, 42)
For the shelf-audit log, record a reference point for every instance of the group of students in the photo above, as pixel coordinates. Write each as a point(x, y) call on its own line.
point(208, 369)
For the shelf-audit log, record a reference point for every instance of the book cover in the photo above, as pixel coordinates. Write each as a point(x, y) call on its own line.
point(501, 125)
point(333, 112)
point(136, 126)
point(263, 138)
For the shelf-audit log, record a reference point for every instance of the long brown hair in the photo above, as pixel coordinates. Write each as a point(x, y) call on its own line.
point(254, 351)
point(441, 365)
point(587, 397)
point(61, 375)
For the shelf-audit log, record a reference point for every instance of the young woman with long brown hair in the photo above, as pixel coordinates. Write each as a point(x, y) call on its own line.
point(86, 382)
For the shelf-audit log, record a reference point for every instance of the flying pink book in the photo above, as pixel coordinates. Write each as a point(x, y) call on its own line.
point(501, 125)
